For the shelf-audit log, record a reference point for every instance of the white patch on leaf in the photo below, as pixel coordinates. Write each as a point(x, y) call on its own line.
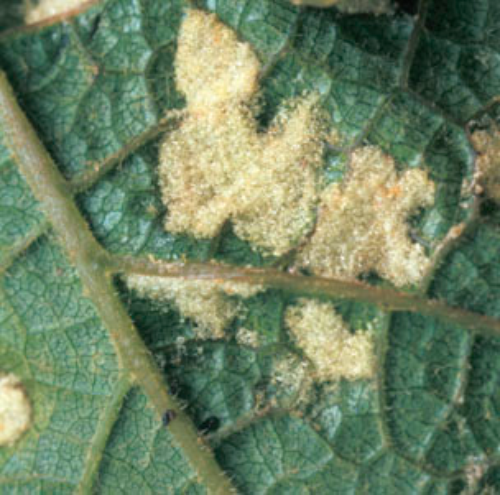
point(15, 409)
point(249, 338)
point(217, 167)
point(37, 12)
point(293, 380)
point(207, 303)
point(326, 340)
point(362, 224)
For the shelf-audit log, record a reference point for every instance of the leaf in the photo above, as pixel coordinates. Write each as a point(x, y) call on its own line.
point(11, 14)
point(97, 87)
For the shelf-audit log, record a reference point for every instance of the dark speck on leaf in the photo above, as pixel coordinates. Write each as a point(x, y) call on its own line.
point(168, 416)
point(210, 425)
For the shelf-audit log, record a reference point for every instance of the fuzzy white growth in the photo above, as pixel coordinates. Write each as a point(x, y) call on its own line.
point(205, 302)
point(247, 337)
point(293, 375)
point(48, 8)
point(217, 167)
point(212, 67)
point(362, 223)
point(15, 409)
point(326, 341)
point(487, 144)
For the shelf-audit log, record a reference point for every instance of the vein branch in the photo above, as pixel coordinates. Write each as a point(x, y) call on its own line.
point(22, 245)
point(413, 42)
point(89, 259)
point(313, 286)
point(85, 180)
point(103, 431)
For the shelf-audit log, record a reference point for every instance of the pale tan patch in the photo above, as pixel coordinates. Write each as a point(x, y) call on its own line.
point(247, 337)
point(487, 144)
point(293, 376)
point(326, 340)
point(37, 12)
point(474, 472)
point(216, 166)
point(362, 224)
point(205, 302)
point(15, 409)
point(334, 137)
point(212, 66)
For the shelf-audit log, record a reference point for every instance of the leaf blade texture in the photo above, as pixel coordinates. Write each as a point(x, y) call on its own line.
point(97, 88)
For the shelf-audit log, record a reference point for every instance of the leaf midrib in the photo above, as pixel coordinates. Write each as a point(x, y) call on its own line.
point(386, 298)
point(89, 259)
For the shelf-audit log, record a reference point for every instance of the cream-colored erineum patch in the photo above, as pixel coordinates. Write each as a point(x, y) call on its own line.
point(36, 12)
point(292, 375)
point(487, 144)
point(15, 409)
point(207, 303)
point(247, 337)
point(362, 224)
point(216, 166)
point(326, 340)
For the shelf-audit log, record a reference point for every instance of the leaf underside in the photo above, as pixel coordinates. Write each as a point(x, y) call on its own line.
point(91, 85)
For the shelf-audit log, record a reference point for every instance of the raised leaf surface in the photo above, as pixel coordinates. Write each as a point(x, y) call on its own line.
point(96, 88)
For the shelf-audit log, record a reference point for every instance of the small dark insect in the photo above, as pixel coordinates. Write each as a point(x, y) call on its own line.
point(168, 416)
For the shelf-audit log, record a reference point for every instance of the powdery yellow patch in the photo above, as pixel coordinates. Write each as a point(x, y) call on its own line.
point(15, 409)
point(334, 137)
point(488, 161)
point(212, 66)
point(37, 12)
point(326, 341)
point(217, 167)
point(205, 302)
point(362, 223)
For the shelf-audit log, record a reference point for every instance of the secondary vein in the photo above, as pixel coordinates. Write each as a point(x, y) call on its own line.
point(385, 298)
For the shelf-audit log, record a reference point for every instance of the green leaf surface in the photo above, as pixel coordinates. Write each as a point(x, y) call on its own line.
point(19, 214)
point(97, 88)
point(11, 14)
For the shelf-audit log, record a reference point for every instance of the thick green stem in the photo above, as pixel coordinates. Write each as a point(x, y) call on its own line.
point(386, 299)
point(89, 259)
